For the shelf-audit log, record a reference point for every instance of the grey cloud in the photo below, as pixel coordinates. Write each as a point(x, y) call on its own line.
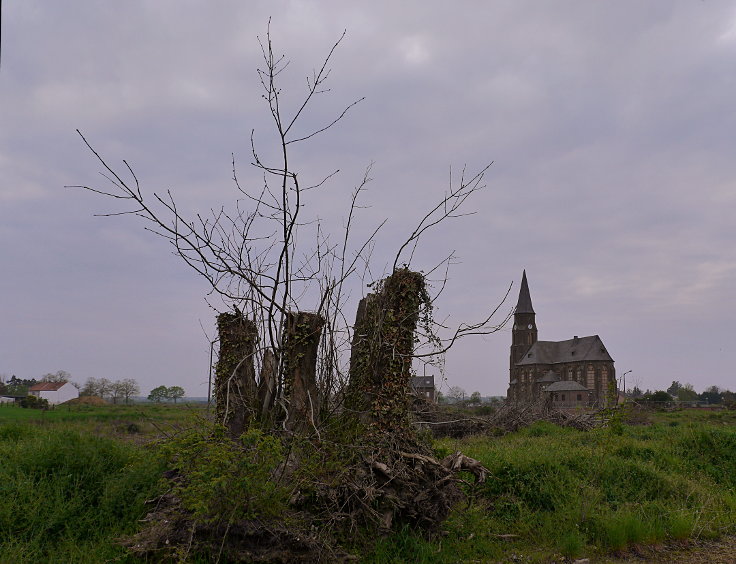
point(610, 124)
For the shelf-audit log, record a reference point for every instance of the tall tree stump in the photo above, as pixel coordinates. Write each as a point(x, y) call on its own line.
point(235, 380)
point(267, 383)
point(303, 333)
point(382, 351)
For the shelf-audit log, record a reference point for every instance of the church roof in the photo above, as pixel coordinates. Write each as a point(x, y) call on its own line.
point(572, 350)
point(550, 376)
point(566, 386)
point(524, 305)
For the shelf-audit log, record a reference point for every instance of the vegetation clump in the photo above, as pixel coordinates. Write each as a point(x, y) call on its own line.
point(559, 493)
point(359, 471)
point(65, 494)
point(34, 402)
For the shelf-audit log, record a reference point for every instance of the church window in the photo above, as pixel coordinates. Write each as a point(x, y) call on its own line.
point(569, 374)
point(590, 383)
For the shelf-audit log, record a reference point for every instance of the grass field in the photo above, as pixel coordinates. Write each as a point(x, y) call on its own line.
point(72, 481)
point(564, 493)
point(85, 413)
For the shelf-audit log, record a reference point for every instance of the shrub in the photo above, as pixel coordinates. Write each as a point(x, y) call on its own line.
point(64, 495)
point(33, 402)
point(226, 480)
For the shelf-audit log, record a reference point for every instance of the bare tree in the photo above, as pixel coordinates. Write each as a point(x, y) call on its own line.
point(58, 376)
point(116, 391)
point(289, 355)
point(264, 258)
point(100, 387)
point(456, 393)
point(128, 388)
point(261, 256)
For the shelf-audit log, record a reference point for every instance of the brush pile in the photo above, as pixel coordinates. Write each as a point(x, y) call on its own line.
point(457, 423)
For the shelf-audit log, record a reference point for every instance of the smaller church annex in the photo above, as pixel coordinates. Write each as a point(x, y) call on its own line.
point(578, 372)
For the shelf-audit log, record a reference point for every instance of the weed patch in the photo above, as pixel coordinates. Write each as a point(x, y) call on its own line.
point(63, 493)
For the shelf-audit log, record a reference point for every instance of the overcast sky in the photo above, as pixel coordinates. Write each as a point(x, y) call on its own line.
point(611, 125)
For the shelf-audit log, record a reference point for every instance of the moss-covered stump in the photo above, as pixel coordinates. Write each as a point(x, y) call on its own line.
point(235, 382)
point(397, 481)
point(382, 352)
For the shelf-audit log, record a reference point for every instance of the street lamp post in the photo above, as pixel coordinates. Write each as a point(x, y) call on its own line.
point(624, 379)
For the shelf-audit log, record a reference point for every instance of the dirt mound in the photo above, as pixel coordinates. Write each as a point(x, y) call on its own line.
point(86, 400)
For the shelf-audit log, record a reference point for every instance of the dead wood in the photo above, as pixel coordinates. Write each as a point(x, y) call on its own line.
point(172, 535)
point(446, 421)
point(267, 382)
point(458, 461)
point(235, 380)
point(303, 332)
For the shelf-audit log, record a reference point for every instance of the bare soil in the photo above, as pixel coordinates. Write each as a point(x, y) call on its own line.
point(721, 551)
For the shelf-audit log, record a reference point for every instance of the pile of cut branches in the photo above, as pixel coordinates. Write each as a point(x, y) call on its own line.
point(444, 421)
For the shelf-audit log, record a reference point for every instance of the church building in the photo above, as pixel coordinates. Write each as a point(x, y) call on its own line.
point(578, 372)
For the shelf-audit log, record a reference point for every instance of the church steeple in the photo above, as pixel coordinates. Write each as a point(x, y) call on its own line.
point(524, 333)
point(524, 305)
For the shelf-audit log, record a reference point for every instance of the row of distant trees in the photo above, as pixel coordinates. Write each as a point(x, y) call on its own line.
point(677, 391)
point(456, 394)
point(116, 391)
point(685, 392)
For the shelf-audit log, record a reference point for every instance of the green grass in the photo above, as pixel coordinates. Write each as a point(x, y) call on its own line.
point(76, 413)
point(559, 492)
point(138, 422)
point(72, 482)
point(65, 495)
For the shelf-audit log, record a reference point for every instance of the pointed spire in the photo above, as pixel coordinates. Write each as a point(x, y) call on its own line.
point(524, 305)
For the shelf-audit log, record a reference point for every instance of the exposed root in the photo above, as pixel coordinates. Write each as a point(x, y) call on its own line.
point(381, 489)
point(172, 535)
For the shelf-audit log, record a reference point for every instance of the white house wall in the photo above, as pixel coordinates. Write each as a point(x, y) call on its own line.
point(65, 393)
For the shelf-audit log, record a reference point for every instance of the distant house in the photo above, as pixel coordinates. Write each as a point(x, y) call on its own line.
point(423, 387)
point(54, 392)
point(7, 399)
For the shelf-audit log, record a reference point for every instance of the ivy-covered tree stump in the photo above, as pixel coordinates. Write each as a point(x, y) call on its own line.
point(382, 352)
point(397, 476)
point(235, 380)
